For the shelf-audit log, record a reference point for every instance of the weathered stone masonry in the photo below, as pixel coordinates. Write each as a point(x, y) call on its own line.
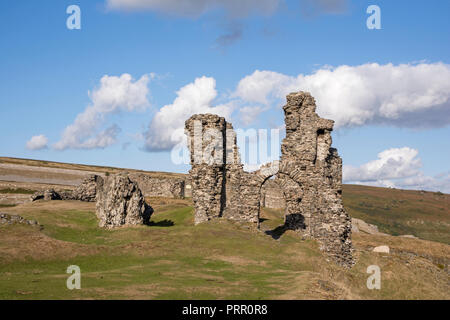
point(272, 196)
point(159, 187)
point(309, 173)
point(310, 176)
point(220, 186)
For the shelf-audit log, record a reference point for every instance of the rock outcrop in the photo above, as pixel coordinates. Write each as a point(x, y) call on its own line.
point(120, 202)
point(359, 225)
point(309, 174)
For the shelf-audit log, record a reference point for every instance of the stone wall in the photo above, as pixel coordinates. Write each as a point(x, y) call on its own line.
point(87, 189)
point(159, 187)
point(220, 186)
point(309, 174)
point(272, 196)
point(187, 187)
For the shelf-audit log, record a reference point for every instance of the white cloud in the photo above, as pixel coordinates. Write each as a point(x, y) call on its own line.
point(403, 95)
point(115, 94)
point(37, 142)
point(167, 127)
point(440, 182)
point(248, 114)
point(408, 95)
point(195, 8)
point(393, 163)
point(103, 139)
point(396, 168)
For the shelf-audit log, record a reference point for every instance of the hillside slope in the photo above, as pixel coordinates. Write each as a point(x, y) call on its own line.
point(399, 212)
point(173, 259)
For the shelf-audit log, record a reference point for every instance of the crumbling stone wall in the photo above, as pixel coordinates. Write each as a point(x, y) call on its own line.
point(159, 187)
point(47, 195)
point(87, 189)
point(309, 173)
point(220, 186)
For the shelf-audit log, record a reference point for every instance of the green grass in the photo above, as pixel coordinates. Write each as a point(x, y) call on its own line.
point(173, 259)
point(17, 191)
point(7, 205)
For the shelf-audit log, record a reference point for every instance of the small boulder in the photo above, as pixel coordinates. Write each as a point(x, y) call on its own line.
point(381, 249)
point(120, 202)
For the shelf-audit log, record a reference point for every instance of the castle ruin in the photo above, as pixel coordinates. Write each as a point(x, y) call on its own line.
point(309, 174)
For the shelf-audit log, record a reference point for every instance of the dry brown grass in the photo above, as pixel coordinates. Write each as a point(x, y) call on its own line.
point(82, 167)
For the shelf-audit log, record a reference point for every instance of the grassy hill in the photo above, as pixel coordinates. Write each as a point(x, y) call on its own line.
point(399, 212)
point(173, 259)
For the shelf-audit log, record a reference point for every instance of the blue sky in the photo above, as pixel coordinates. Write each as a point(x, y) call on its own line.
point(47, 70)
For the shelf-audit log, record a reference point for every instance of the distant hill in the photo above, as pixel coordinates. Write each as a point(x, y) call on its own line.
point(81, 167)
point(399, 212)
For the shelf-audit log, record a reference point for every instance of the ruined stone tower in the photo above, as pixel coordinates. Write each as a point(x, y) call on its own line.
point(309, 173)
point(310, 176)
point(220, 186)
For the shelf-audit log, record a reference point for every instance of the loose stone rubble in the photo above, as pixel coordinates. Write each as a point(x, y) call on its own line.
point(309, 173)
point(15, 219)
point(46, 195)
point(120, 202)
point(86, 191)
